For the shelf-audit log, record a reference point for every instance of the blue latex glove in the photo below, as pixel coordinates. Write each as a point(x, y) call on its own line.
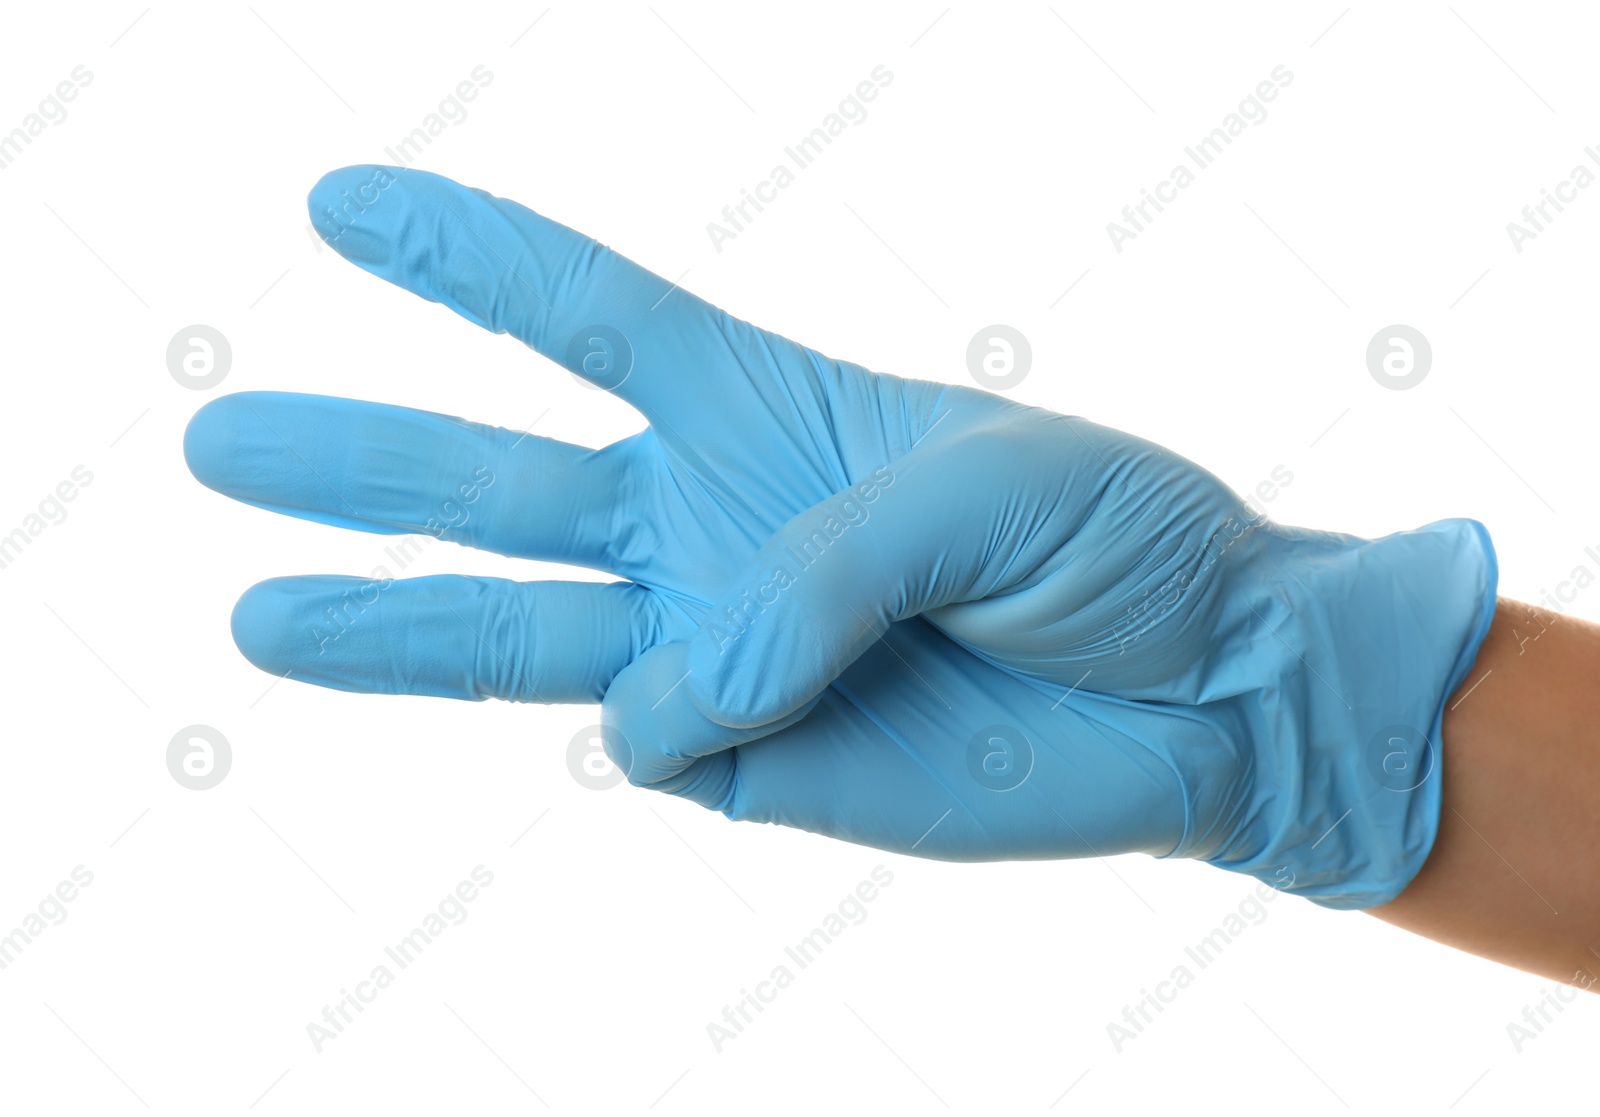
point(905, 614)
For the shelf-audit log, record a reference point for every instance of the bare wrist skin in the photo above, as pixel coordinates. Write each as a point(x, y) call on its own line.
point(1514, 875)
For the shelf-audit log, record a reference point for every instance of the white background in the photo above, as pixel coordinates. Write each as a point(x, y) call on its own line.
point(1233, 329)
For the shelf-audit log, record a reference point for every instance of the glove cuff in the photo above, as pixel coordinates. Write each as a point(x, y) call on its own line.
point(1375, 636)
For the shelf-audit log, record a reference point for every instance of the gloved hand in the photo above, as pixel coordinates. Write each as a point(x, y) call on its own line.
point(906, 614)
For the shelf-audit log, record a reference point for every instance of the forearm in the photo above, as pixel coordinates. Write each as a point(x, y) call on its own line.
point(1514, 875)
